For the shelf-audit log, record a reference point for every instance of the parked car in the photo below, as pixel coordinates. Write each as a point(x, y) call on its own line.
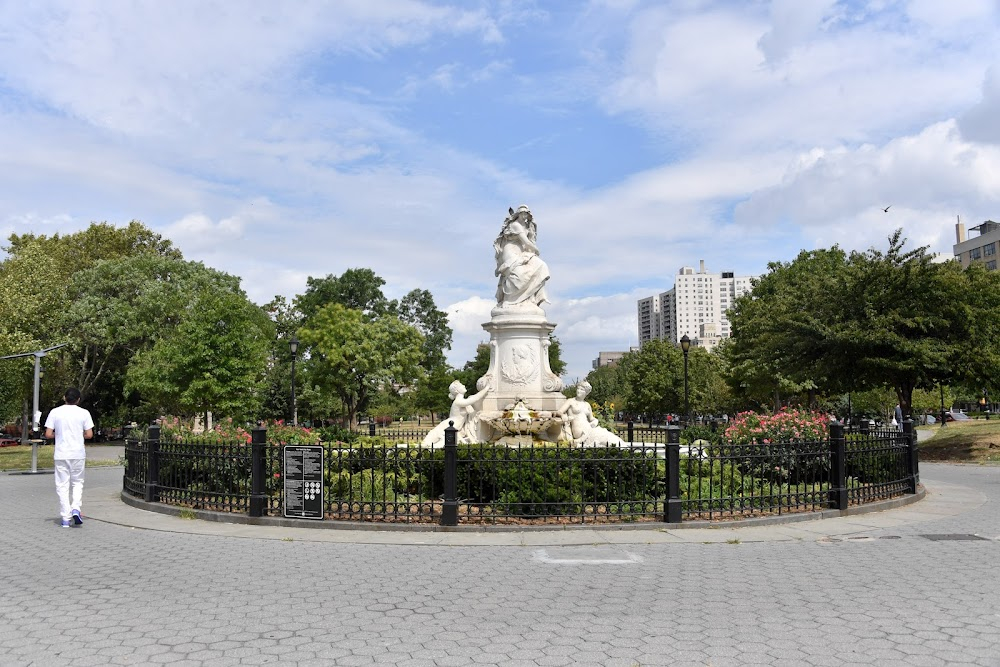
point(956, 417)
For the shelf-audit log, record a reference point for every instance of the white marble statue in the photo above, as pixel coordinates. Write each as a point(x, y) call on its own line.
point(579, 424)
point(522, 273)
point(463, 414)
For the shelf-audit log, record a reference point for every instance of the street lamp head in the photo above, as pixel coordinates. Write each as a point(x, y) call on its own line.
point(293, 344)
point(685, 343)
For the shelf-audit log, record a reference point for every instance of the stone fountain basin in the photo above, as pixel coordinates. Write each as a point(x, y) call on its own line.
point(532, 425)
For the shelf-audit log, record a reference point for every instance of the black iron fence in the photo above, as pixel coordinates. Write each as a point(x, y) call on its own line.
point(652, 478)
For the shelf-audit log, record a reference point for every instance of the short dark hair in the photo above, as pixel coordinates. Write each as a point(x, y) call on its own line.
point(72, 396)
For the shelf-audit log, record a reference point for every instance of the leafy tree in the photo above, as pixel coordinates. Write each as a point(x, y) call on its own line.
point(608, 385)
point(213, 360)
point(474, 369)
point(903, 319)
point(121, 307)
point(36, 291)
point(865, 321)
point(654, 379)
point(556, 362)
point(431, 395)
point(278, 383)
point(418, 309)
point(356, 289)
point(779, 332)
point(353, 356)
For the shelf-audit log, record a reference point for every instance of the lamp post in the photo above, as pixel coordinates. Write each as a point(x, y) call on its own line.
point(941, 389)
point(293, 346)
point(685, 347)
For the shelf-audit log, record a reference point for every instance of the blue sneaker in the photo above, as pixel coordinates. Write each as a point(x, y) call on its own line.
point(65, 523)
point(77, 519)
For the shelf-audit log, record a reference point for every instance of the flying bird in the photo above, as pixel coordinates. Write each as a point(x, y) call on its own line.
point(886, 209)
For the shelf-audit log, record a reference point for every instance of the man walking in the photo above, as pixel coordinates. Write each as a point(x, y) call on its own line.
point(69, 424)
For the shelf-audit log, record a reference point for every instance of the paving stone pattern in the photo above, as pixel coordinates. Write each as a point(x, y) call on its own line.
point(106, 594)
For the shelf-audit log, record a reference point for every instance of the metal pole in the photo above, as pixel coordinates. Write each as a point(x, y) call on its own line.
point(35, 416)
point(449, 508)
point(673, 507)
point(687, 403)
point(38, 381)
point(295, 407)
point(941, 387)
point(258, 497)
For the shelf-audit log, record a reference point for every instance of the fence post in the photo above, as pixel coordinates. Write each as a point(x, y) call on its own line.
point(153, 464)
point(258, 450)
point(838, 467)
point(371, 428)
point(630, 432)
point(449, 511)
point(673, 504)
point(912, 465)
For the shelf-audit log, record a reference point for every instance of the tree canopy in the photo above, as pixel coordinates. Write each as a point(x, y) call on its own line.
point(865, 320)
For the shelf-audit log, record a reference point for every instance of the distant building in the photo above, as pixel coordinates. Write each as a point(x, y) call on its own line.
point(981, 249)
point(696, 306)
point(609, 358)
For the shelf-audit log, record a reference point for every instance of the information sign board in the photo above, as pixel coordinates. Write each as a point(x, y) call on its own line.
point(303, 467)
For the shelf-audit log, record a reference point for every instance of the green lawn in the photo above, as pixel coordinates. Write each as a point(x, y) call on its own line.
point(976, 440)
point(19, 458)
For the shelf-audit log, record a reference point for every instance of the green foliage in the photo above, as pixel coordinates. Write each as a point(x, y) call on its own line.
point(872, 462)
point(849, 323)
point(556, 363)
point(337, 434)
point(354, 356)
point(356, 289)
point(212, 360)
point(474, 369)
point(417, 308)
point(654, 378)
point(608, 385)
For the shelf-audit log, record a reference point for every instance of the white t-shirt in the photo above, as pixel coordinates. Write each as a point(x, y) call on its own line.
point(69, 422)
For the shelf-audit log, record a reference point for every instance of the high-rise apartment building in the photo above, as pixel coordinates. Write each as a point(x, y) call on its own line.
point(695, 306)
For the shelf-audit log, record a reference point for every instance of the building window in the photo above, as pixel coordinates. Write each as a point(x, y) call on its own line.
point(975, 253)
point(990, 249)
point(991, 265)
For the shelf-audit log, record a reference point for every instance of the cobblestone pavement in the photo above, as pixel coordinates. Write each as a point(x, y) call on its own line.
point(837, 592)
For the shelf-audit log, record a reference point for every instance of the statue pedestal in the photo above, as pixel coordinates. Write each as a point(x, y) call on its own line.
point(519, 362)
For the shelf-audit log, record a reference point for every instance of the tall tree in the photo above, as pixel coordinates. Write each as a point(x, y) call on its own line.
point(356, 289)
point(654, 379)
point(36, 290)
point(353, 356)
point(213, 360)
point(418, 309)
point(781, 343)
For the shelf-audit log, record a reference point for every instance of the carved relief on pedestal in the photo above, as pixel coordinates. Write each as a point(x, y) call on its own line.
point(520, 365)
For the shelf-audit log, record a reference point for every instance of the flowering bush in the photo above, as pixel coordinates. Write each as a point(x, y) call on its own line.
point(787, 447)
point(280, 433)
point(224, 431)
point(604, 413)
point(789, 425)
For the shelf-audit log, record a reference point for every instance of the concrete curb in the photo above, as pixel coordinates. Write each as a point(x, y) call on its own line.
point(282, 522)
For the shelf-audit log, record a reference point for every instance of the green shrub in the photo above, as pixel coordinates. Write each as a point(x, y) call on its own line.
point(336, 433)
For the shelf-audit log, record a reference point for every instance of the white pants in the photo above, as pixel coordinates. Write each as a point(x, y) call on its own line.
point(69, 473)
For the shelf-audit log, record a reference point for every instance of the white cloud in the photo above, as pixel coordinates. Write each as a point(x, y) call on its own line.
point(926, 178)
point(793, 22)
point(982, 122)
point(243, 136)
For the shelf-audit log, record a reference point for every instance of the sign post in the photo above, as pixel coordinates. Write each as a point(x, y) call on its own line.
point(303, 475)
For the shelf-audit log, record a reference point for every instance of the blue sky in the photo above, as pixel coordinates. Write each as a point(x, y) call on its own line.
point(278, 141)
